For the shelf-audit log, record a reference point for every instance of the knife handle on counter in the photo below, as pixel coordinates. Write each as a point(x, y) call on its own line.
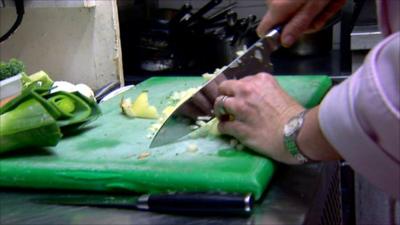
point(197, 203)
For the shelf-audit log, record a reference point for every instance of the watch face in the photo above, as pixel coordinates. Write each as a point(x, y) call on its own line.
point(292, 126)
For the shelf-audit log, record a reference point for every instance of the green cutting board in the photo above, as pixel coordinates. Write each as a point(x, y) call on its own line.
point(106, 154)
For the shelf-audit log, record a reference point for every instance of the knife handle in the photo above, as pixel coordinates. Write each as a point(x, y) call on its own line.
point(274, 37)
point(198, 203)
point(278, 28)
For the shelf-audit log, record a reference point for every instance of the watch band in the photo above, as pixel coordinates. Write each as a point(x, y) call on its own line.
point(291, 131)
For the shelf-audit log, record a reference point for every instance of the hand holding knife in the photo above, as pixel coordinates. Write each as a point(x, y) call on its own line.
point(256, 59)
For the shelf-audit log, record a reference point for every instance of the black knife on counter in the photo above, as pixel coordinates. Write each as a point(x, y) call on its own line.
point(178, 203)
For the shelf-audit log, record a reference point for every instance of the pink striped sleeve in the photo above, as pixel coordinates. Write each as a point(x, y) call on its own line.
point(361, 117)
point(389, 16)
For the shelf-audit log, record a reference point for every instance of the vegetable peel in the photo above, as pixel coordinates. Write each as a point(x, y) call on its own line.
point(139, 108)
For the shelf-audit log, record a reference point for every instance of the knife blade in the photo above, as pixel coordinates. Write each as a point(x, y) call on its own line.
point(256, 59)
point(192, 203)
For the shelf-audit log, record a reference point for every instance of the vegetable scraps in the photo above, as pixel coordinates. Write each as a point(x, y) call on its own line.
point(139, 108)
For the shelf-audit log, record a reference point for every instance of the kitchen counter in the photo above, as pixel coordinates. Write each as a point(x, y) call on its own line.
point(306, 194)
point(333, 64)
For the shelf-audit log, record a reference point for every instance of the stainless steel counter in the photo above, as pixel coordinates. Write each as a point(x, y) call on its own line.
point(297, 195)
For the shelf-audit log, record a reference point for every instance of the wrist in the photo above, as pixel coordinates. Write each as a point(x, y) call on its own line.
point(291, 132)
point(312, 142)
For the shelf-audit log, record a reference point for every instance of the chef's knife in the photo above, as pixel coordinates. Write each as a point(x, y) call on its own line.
point(256, 59)
point(193, 203)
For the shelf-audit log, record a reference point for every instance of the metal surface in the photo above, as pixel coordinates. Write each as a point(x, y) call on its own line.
point(313, 43)
point(295, 197)
point(365, 37)
point(255, 59)
point(90, 200)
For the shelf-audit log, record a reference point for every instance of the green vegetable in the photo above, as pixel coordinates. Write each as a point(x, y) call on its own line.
point(12, 68)
point(64, 104)
point(39, 79)
point(37, 117)
point(29, 124)
point(73, 108)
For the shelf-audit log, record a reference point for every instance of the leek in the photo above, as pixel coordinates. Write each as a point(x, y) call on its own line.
point(28, 125)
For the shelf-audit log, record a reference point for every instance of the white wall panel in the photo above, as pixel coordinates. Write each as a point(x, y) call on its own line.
point(51, 3)
point(80, 45)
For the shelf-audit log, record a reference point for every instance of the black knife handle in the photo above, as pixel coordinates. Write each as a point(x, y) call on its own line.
point(278, 28)
point(198, 203)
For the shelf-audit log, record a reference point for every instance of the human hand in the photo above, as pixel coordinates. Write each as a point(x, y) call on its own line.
point(260, 108)
point(201, 103)
point(298, 17)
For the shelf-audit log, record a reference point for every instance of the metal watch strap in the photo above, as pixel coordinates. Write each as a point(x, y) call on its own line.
point(291, 137)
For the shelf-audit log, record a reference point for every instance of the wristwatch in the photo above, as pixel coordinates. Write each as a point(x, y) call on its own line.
point(290, 133)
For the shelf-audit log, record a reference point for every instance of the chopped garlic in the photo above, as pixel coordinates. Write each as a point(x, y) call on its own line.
point(200, 123)
point(126, 104)
point(240, 52)
point(233, 142)
point(177, 98)
point(192, 148)
point(206, 118)
point(208, 76)
point(234, 64)
point(258, 55)
point(143, 155)
point(240, 147)
point(259, 45)
point(194, 127)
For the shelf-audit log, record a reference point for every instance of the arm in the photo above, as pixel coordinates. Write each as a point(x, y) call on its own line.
point(312, 141)
point(261, 108)
point(358, 119)
point(361, 117)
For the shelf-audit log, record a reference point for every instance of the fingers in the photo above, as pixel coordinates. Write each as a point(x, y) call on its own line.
point(190, 110)
point(266, 24)
point(301, 21)
point(329, 12)
point(239, 96)
point(202, 102)
point(219, 106)
point(227, 103)
point(228, 87)
point(211, 92)
point(231, 106)
point(297, 16)
point(279, 12)
point(234, 128)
